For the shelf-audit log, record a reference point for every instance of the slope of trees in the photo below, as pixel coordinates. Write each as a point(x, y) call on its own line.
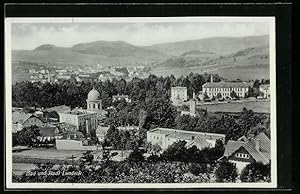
point(74, 94)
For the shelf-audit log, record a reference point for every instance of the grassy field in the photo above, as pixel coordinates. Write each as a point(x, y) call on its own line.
point(231, 73)
point(259, 106)
point(25, 160)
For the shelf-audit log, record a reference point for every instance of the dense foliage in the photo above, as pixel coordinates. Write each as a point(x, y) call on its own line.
point(26, 137)
point(241, 124)
point(179, 152)
point(226, 172)
point(72, 93)
point(108, 171)
point(121, 140)
point(256, 172)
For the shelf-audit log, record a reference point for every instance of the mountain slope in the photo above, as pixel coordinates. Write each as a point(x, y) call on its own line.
point(245, 64)
point(220, 45)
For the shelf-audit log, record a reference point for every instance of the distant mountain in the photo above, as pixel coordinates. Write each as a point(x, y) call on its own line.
point(116, 49)
point(99, 52)
point(219, 45)
point(230, 56)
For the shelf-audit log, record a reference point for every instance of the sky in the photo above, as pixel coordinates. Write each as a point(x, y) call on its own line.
point(27, 36)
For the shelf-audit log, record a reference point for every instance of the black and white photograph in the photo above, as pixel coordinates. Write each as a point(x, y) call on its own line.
point(140, 102)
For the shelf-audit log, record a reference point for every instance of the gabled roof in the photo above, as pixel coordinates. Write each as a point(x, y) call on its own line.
point(243, 139)
point(232, 146)
point(198, 141)
point(262, 155)
point(61, 108)
point(19, 117)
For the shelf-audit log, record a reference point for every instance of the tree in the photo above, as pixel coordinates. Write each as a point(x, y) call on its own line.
point(153, 149)
point(219, 96)
point(213, 98)
point(233, 95)
point(175, 152)
point(205, 96)
point(196, 168)
point(136, 156)
point(226, 172)
point(256, 84)
point(256, 172)
point(87, 158)
point(27, 136)
point(113, 137)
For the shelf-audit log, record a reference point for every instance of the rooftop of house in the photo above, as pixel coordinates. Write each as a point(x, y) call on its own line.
point(187, 135)
point(73, 135)
point(20, 117)
point(232, 146)
point(200, 141)
point(223, 84)
point(78, 111)
point(179, 88)
point(262, 155)
point(61, 108)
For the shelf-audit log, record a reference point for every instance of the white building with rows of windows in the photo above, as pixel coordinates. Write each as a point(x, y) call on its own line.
point(225, 88)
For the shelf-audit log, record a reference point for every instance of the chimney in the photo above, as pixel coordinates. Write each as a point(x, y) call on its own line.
point(257, 144)
point(211, 79)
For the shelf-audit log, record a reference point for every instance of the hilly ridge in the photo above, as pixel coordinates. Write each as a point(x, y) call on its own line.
point(220, 45)
point(230, 56)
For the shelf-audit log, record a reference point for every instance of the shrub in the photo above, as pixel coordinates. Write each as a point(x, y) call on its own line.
point(226, 172)
point(196, 169)
point(256, 172)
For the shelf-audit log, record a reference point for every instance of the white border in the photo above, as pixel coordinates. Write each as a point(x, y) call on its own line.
point(8, 104)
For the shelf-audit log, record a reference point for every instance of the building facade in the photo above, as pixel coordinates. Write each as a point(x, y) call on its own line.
point(192, 111)
point(179, 94)
point(81, 119)
point(265, 90)
point(165, 137)
point(212, 89)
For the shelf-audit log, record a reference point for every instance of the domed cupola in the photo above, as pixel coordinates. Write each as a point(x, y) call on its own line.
point(93, 95)
point(94, 101)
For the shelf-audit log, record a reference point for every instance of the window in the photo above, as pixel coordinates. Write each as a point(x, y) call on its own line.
point(241, 155)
